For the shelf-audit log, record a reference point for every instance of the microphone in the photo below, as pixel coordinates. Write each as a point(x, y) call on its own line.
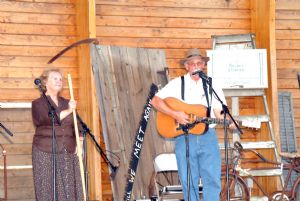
point(201, 74)
point(38, 82)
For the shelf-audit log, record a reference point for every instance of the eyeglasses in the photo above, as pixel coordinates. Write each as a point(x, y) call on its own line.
point(200, 63)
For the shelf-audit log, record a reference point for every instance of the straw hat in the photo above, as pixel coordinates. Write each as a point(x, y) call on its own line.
point(193, 53)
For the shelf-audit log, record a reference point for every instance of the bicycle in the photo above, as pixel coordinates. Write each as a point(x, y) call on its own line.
point(293, 165)
point(294, 193)
point(238, 189)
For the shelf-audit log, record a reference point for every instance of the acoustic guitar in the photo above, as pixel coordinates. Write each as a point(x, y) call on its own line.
point(169, 128)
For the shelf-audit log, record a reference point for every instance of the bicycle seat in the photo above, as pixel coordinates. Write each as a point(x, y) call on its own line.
point(290, 155)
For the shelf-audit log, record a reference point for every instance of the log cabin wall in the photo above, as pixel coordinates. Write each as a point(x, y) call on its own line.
point(32, 32)
point(288, 53)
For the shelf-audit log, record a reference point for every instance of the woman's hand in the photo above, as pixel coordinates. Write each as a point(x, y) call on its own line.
point(72, 105)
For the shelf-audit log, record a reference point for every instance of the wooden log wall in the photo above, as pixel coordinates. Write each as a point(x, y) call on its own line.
point(288, 53)
point(31, 32)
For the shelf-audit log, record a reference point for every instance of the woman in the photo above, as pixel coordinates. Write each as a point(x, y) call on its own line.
point(68, 181)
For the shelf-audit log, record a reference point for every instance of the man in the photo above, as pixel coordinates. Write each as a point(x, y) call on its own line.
point(204, 153)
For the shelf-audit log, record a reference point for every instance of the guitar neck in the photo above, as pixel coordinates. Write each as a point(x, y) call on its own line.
point(209, 120)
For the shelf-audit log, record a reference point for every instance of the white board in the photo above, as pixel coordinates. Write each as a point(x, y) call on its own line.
point(238, 68)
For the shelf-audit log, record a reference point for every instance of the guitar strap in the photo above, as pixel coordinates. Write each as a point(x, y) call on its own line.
point(206, 95)
point(182, 87)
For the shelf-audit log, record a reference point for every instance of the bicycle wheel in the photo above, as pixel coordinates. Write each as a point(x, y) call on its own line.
point(278, 196)
point(296, 190)
point(238, 189)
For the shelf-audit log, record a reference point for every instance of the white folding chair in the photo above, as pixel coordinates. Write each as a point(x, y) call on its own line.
point(165, 183)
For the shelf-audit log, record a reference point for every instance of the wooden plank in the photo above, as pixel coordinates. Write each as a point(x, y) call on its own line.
point(51, 1)
point(18, 149)
point(156, 42)
point(20, 61)
point(17, 173)
point(46, 51)
point(287, 73)
point(164, 32)
point(16, 115)
point(288, 34)
point(27, 94)
point(171, 12)
point(33, 7)
point(287, 44)
point(288, 54)
point(34, 18)
point(288, 84)
point(296, 103)
point(35, 40)
point(18, 138)
point(287, 63)
point(54, 30)
point(20, 193)
point(25, 83)
point(33, 72)
point(14, 160)
point(287, 5)
point(236, 4)
point(18, 182)
point(287, 24)
point(288, 14)
point(136, 21)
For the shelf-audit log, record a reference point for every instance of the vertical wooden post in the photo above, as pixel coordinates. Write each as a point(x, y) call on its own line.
point(263, 25)
point(86, 28)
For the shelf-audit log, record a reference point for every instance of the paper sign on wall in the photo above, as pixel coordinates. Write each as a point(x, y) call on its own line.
point(238, 68)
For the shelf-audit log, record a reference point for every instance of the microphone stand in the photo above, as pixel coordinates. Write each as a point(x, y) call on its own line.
point(4, 159)
point(225, 112)
point(6, 129)
point(54, 119)
point(86, 130)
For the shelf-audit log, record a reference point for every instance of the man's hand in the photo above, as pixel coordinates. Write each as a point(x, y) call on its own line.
point(181, 117)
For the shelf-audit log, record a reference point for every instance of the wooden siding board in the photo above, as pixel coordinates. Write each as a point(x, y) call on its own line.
point(287, 14)
point(288, 54)
point(27, 94)
point(287, 5)
point(37, 18)
point(33, 7)
point(288, 34)
point(20, 61)
point(164, 32)
point(26, 83)
point(288, 24)
point(288, 63)
point(108, 10)
point(171, 22)
point(38, 51)
point(234, 4)
point(156, 42)
point(31, 72)
point(48, 30)
point(15, 39)
point(287, 44)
